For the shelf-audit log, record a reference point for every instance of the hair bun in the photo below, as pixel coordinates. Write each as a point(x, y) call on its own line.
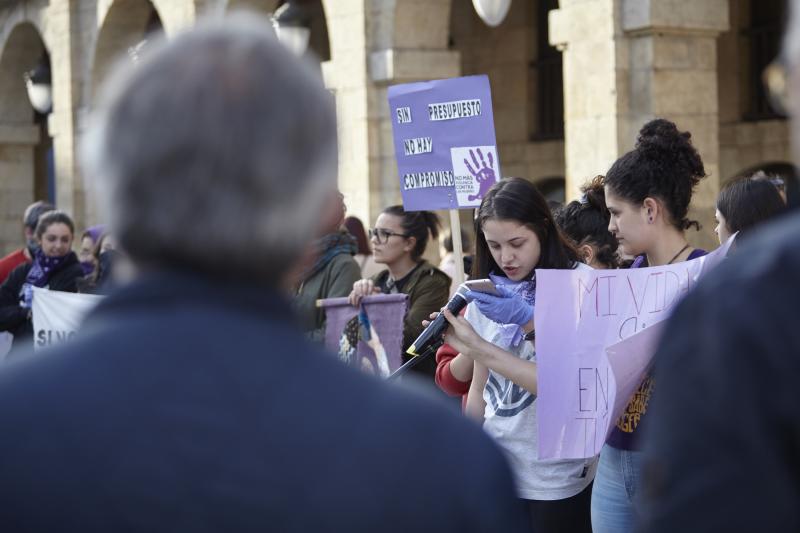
point(661, 141)
point(595, 195)
point(665, 165)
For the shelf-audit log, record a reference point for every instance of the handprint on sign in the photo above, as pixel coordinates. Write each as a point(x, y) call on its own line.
point(483, 173)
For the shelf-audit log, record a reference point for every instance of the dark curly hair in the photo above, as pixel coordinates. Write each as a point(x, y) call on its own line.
point(417, 224)
point(585, 221)
point(664, 165)
point(519, 200)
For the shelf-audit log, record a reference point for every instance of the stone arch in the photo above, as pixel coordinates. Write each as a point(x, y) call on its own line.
point(124, 24)
point(24, 142)
point(265, 7)
point(172, 13)
point(22, 50)
point(319, 42)
point(20, 16)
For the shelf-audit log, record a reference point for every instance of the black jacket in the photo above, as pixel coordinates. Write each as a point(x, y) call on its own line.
point(723, 448)
point(14, 318)
point(190, 405)
point(428, 290)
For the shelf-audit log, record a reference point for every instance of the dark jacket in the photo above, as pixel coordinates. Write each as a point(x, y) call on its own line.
point(189, 405)
point(722, 452)
point(428, 290)
point(335, 280)
point(14, 318)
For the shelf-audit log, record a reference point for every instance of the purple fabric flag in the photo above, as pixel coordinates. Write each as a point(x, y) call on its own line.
point(444, 142)
point(597, 331)
point(369, 337)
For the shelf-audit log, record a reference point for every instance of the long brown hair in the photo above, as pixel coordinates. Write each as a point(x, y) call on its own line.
point(519, 200)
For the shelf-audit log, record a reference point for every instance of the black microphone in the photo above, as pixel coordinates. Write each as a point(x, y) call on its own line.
point(432, 335)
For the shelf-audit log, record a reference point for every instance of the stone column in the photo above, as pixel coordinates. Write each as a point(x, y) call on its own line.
point(17, 143)
point(673, 74)
point(65, 49)
point(589, 34)
point(375, 44)
point(628, 61)
point(346, 76)
point(418, 51)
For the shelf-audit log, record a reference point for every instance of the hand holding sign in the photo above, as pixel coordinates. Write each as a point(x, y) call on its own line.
point(483, 174)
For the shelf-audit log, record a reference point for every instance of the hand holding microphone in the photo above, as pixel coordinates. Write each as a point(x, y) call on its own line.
point(462, 337)
point(431, 336)
point(503, 306)
point(506, 307)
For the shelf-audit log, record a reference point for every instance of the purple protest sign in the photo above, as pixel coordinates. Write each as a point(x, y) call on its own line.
point(444, 142)
point(594, 342)
point(368, 337)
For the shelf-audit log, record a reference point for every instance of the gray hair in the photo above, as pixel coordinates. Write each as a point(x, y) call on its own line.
point(34, 211)
point(215, 152)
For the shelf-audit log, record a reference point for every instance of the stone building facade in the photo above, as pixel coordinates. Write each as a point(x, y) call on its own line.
point(572, 82)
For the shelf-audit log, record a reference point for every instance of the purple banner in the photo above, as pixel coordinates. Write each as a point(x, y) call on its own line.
point(597, 331)
point(369, 337)
point(444, 142)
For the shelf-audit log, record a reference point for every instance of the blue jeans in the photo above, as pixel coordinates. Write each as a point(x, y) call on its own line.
point(614, 495)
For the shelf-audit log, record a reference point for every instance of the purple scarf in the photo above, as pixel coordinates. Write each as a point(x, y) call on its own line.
point(525, 288)
point(43, 267)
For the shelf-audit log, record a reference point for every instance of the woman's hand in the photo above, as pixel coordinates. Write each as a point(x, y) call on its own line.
point(508, 308)
point(463, 337)
point(432, 317)
point(361, 288)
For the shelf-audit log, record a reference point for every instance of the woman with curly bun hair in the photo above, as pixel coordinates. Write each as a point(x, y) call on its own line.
point(647, 191)
point(585, 222)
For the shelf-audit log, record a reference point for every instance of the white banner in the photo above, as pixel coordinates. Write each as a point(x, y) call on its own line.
point(58, 315)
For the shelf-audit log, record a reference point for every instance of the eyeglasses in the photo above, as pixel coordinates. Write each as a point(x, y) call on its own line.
point(382, 235)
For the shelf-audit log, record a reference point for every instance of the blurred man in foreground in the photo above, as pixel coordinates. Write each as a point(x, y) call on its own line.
point(191, 402)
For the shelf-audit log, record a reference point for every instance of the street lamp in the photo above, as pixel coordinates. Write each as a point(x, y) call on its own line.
point(40, 87)
point(292, 26)
point(492, 12)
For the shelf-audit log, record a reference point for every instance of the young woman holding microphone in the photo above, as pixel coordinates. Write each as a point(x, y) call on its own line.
point(516, 234)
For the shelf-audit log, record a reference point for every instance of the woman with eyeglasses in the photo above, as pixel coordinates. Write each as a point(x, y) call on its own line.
point(398, 241)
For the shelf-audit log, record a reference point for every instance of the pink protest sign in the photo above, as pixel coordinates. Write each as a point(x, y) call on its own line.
point(596, 333)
